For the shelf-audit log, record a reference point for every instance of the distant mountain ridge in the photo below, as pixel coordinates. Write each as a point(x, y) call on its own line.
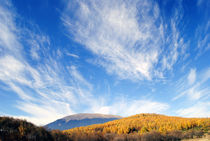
point(82, 119)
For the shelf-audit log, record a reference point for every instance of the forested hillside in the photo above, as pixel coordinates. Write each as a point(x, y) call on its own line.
point(147, 123)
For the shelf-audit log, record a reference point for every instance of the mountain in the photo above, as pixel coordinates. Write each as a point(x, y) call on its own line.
point(79, 120)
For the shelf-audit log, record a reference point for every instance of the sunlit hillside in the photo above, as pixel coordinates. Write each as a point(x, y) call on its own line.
point(143, 123)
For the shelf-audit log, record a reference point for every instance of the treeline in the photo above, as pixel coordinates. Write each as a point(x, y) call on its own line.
point(144, 123)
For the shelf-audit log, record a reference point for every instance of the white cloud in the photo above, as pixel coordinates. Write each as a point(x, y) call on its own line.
point(9, 65)
point(192, 76)
point(34, 51)
point(45, 93)
point(129, 38)
point(202, 37)
point(199, 109)
point(205, 75)
point(123, 35)
point(7, 28)
point(23, 95)
point(78, 77)
point(194, 89)
point(72, 55)
point(40, 121)
point(46, 112)
point(197, 92)
point(11, 69)
point(38, 44)
point(130, 107)
point(41, 86)
point(175, 45)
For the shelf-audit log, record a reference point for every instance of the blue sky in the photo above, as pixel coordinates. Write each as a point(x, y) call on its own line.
point(122, 57)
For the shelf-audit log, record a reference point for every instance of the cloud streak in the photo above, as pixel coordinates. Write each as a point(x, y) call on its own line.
point(47, 89)
point(128, 38)
point(193, 88)
point(195, 92)
point(40, 88)
point(199, 109)
point(131, 40)
point(192, 76)
point(131, 107)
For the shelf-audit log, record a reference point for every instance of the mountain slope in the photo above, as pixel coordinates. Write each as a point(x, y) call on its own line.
point(143, 123)
point(79, 120)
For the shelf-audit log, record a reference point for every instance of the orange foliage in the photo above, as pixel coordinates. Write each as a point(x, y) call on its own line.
point(143, 123)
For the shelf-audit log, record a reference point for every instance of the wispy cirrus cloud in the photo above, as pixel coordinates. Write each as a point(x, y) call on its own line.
point(195, 91)
point(193, 88)
point(48, 89)
point(130, 107)
point(72, 55)
point(129, 38)
point(203, 37)
point(8, 29)
point(199, 109)
point(132, 40)
point(192, 76)
point(40, 87)
point(38, 44)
